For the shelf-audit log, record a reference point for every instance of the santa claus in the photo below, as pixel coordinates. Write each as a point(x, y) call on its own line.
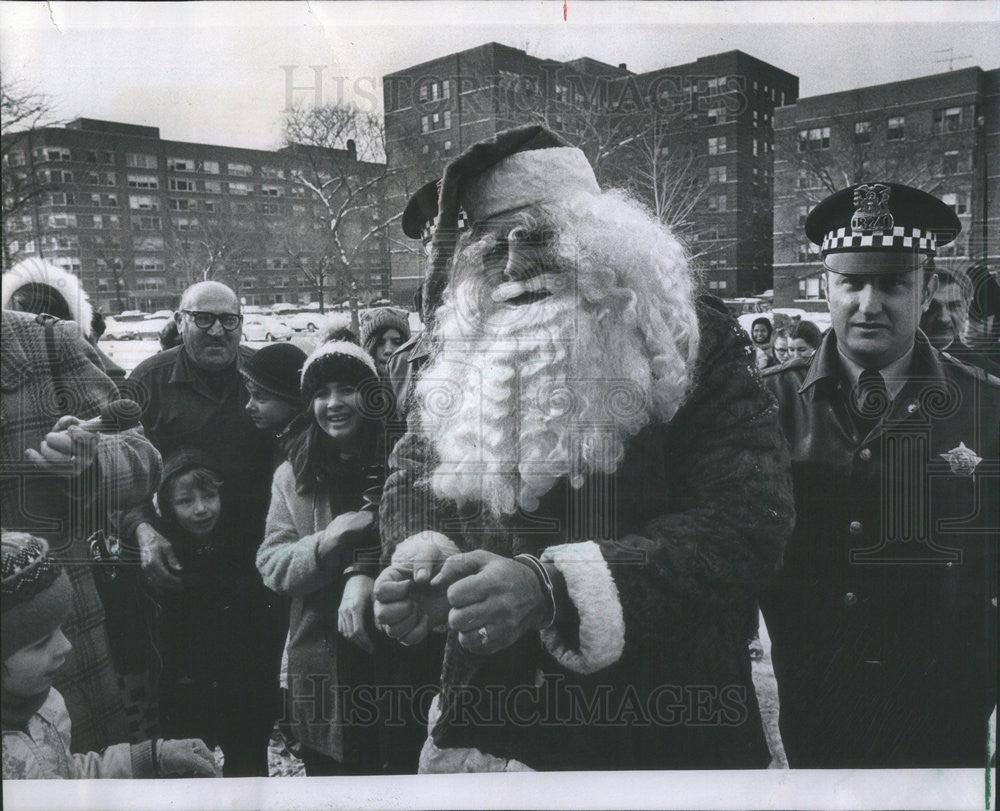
point(591, 488)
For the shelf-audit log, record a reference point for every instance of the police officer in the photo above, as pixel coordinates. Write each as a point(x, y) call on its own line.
point(883, 618)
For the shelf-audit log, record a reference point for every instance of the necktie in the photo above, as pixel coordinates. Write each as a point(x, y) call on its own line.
point(871, 401)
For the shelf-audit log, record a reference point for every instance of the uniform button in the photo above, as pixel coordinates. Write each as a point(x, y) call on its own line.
point(856, 527)
point(850, 599)
point(865, 454)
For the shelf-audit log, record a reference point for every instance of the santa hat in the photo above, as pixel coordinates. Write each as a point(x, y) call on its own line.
point(335, 360)
point(36, 593)
point(375, 322)
point(42, 280)
point(516, 168)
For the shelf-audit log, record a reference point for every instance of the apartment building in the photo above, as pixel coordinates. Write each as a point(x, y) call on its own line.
point(940, 133)
point(704, 126)
point(138, 218)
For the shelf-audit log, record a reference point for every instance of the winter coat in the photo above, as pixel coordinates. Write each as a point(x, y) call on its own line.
point(659, 559)
point(322, 665)
point(40, 751)
point(883, 620)
point(66, 511)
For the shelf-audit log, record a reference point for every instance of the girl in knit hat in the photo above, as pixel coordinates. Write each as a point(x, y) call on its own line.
point(321, 548)
point(383, 331)
point(36, 725)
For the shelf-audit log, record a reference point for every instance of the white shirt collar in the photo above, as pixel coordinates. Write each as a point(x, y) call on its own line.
point(895, 373)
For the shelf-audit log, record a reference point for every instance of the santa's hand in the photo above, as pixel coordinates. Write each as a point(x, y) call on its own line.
point(494, 600)
point(354, 606)
point(396, 612)
point(67, 449)
point(423, 555)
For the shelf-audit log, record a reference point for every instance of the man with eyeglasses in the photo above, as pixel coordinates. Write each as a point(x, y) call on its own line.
point(194, 397)
point(883, 617)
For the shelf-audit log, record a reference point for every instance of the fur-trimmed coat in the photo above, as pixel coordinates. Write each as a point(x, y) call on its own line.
point(66, 511)
point(659, 561)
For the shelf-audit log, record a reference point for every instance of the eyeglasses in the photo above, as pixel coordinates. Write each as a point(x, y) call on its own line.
point(203, 320)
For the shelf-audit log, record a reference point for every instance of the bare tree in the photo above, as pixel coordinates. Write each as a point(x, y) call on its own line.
point(336, 154)
point(217, 247)
point(22, 111)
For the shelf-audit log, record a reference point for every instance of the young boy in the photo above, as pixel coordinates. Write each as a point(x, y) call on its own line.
point(189, 634)
point(272, 380)
point(36, 600)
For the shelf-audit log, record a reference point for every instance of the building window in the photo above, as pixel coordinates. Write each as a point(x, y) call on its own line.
point(180, 165)
point(717, 115)
point(812, 287)
point(803, 213)
point(241, 189)
point(144, 264)
point(142, 181)
point(716, 146)
point(210, 205)
point(270, 208)
point(272, 171)
point(148, 244)
point(862, 131)
point(897, 128)
point(434, 91)
point(146, 223)
point(43, 154)
point(180, 184)
point(807, 252)
point(717, 285)
point(272, 191)
point(447, 146)
point(240, 169)
point(15, 158)
point(947, 119)
point(185, 224)
point(717, 202)
point(182, 204)
point(208, 167)
point(65, 176)
point(61, 198)
point(951, 164)
point(435, 121)
point(62, 220)
point(716, 174)
point(143, 203)
point(959, 202)
point(138, 160)
point(815, 138)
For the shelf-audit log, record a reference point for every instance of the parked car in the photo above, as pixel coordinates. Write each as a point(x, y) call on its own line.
point(265, 328)
point(741, 306)
point(124, 326)
point(149, 328)
point(307, 322)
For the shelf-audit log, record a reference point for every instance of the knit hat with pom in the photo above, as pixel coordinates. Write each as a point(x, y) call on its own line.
point(36, 593)
point(341, 361)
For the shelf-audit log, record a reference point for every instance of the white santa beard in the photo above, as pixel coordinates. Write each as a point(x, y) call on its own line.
point(542, 391)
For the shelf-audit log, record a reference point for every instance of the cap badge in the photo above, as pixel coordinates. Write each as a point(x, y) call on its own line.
point(963, 461)
point(871, 203)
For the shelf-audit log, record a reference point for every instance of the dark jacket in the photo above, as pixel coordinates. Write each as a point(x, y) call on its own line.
point(881, 620)
point(403, 367)
point(181, 410)
point(654, 672)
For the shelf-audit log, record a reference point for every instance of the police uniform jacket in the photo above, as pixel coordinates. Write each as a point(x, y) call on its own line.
point(883, 617)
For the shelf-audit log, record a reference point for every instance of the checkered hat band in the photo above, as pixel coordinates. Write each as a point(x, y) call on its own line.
point(428, 230)
point(897, 238)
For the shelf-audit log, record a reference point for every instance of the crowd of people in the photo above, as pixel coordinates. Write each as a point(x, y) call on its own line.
point(528, 538)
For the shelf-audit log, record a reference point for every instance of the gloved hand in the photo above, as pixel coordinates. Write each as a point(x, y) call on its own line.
point(188, 757)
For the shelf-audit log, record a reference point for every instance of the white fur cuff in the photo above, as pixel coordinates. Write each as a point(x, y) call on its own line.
point(414, 548)
point(595, 595)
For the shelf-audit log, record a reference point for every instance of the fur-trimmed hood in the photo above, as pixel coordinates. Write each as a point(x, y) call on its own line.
point(36, 271)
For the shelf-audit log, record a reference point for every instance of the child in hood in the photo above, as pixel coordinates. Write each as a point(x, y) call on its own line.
point(36, 725)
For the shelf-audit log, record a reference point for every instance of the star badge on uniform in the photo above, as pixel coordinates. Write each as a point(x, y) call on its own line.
point(963, 460)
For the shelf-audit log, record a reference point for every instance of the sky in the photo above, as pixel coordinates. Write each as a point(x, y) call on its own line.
point(216, 72)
